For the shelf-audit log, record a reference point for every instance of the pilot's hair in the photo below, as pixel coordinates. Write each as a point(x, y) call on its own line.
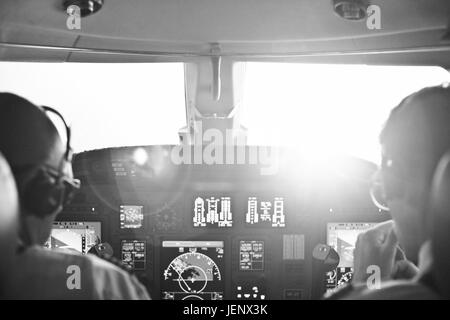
point(27, 135)
point(417, 132)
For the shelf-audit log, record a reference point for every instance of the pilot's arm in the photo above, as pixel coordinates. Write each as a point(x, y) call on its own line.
point(113, 283)
point(378, 246)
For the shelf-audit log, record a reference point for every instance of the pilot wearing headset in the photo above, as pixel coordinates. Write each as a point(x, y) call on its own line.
point(415, 137)
point(41, 164)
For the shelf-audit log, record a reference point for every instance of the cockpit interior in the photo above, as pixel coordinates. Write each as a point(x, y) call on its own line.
point(225, 149)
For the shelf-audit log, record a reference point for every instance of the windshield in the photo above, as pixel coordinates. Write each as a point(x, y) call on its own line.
point(107, 105)
point(333, 108)
point(338, 108)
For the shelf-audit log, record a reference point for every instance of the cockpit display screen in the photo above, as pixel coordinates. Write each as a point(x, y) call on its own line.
point(74, 235)
point(342, 237)
point(134, 254)
point(251, 255)
point(131, 217)
point(212, 212)
point(265, 212)
point(193, 270)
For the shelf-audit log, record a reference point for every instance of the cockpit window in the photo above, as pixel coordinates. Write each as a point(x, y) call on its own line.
point(107, 105)
point(312, 107)
point(337, 108)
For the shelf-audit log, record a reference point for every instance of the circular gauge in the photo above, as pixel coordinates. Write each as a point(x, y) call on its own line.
point(192, 271)
point(192, 297)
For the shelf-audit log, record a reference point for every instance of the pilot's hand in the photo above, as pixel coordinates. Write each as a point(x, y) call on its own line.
point(403, 269)
point(375, 247)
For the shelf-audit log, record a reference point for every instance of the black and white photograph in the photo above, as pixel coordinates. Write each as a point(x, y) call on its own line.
point(225, 159)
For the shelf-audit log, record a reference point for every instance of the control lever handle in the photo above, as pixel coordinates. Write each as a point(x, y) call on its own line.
point(101, 250)
point(325, 259)
point(104, 251)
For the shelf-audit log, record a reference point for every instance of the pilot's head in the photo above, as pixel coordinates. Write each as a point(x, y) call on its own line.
point(415, 137)
point(40, 161)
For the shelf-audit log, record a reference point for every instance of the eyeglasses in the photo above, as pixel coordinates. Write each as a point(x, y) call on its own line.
point(385, 183)
point(377, 192)
point(71, 186)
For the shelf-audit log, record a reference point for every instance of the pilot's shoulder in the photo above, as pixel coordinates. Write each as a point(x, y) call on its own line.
point(112, 282)
point(37, 255)
point(394, 290)
point(44, 274)
point(107, 280)
point(66, 256)
point(58, 260)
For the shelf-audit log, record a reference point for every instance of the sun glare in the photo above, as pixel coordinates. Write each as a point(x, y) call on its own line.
point(327, 108)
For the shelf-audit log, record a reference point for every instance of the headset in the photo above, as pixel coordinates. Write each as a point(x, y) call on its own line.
point(389, 181)
point(49, 189)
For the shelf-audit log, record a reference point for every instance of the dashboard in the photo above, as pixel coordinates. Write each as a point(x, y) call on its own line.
point(219, 231)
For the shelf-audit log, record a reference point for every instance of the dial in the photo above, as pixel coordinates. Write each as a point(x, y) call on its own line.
point(192, 271)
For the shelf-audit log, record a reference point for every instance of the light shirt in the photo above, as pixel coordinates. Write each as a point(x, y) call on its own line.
point(64, 274)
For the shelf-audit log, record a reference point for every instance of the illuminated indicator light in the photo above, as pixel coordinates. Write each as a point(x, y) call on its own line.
point(206, 212)
point(140, 156)
point(271, 212)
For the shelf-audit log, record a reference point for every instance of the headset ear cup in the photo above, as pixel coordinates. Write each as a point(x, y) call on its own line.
point(43, 194)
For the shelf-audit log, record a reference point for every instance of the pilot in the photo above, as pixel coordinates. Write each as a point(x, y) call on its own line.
point(41, 164)
point(414, 138)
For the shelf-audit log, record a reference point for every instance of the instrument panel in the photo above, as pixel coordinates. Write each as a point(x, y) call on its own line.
point(210, 232)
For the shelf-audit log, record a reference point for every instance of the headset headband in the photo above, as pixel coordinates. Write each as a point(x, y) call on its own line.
point(68, 153)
